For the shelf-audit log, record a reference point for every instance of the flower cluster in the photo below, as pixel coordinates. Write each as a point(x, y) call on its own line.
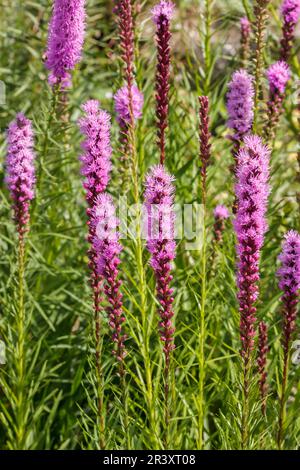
point(250, 225)
point(159, 199)
point(161, 15)
point(289, 283)
point(290, 12)
point(240, 103)
point(20, 171)
point(278, 75)
point(123, 10)
point(221, 213)
point(122, 105)
point(65, 40)
point(107, 250)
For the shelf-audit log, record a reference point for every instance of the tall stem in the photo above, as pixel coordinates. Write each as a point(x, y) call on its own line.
point(207, 50)
point(282, 409)
point(245, 404)
point(202, 337)
point(20, 363)
point(99, 369)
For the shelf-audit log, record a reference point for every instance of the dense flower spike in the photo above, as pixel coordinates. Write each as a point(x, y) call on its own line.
point(290, 12)
point(278, 75)
point(20, 171)
point(107, 250)
point(161, 15)
point(221, 213)
point(262, 363)
point(96, 165)
point(122, 105)
point(123, 10)
point(159, 199)
point(289, 276)
point(289, 283)
point(250, 226)
point(240, 106)
point(65, 40)
point(204, 139)
point(245, 38)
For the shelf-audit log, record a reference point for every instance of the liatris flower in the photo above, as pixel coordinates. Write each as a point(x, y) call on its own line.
point(159, 198)
point(289, 275)
point(204, 139)
point(65, 40)
point(240, 106)
point(262, 362)
point(122, 105)
point(123, 10)
point(96, 165)
point(221, 213)
point(289, 283)
point(161, 15)
point(107, 250)
point(20, 171)
point(250, 225)
point(278, 75)
point(245, 38)
point(290, 11)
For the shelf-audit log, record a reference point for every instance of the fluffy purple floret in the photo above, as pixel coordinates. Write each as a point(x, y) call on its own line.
point(122, 108)
point(289, 272)
point(96, 165)
point(278, 75)
point(290, 11)
point(20, 171)
point(240, 102)
point(221, 212)
point(65, 39)
point(163, 11)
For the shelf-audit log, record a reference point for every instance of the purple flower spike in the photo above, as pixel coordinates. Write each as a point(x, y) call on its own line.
point(240, 100)
point(289, 283)
point(20, 171)
point(163, 11)
point(107, 250)
point(161, 15)
point(159, 199)
point(221, 213)
point(250, 225)
point(122, 105)
point(278, 75)
point(96, 165)
point(65, 40)
point(290, 11)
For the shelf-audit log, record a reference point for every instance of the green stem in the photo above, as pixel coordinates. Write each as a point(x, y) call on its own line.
point(20, 363)
point(99, 370)
point(202, 338)
point(282, 409)
point(207, 50)
point(245, 404)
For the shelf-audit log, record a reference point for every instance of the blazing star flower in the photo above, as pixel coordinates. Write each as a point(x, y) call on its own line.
point(65, 40)
point(250, 225)
point(122, 107)
point(123, 11)
point(221, 213)
point(161, 15)
point(20, 171)
point(289, 283)
point(96, 165)
point(159, 199)
point(278, 75)
point(290, 12)
point(204, 140)
point(240, 103)
point(107, 250)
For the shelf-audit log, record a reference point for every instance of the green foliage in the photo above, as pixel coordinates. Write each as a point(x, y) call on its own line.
point(60, 384)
